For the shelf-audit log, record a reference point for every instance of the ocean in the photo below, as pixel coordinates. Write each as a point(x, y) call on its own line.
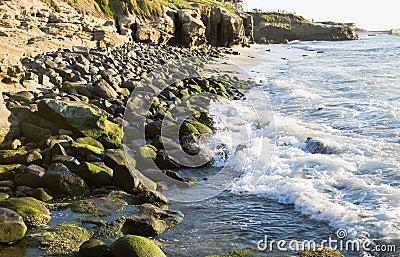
point(325, 164)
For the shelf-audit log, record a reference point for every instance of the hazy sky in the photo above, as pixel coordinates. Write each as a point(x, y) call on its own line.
point(367, 14)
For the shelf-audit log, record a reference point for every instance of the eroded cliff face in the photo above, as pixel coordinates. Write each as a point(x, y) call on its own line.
point(281, 28)
point(199, 25)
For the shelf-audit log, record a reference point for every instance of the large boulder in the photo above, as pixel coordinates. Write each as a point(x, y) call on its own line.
point(190, 28)
point(81, 117)
point(135, 246)
point(62, 182)
point(12, 226)
point(33, 212)
point(224, 28)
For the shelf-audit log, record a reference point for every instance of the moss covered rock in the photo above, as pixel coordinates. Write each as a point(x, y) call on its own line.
point(201, 128)
point(95, 248)
point(12, 226)
point(324, 252)
point(85, 118)
point(12, 156)
point(60, 239)
point(34, 212)
point(99, 207)
point(117, 157)
point(61, 182)
point(135, 246)
point(96, 174)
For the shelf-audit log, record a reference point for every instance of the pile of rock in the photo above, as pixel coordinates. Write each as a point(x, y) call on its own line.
point(69, 140)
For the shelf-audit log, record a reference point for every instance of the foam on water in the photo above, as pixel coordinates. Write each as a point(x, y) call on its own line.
point(349, 107)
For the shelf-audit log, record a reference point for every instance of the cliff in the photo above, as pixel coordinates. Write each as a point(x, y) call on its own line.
point(28, 28)
point(284, 27)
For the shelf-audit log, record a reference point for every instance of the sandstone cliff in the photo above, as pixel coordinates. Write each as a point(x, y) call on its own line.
point(281, 28)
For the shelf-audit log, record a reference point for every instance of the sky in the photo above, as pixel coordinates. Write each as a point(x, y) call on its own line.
point(367, 14)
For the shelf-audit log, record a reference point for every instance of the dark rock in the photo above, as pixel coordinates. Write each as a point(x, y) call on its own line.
point(150, 221)
point(104, 90)
point(60, 181)
point(41, 195)
point(315, 146)
point(131, 180)
point(32, 177)
point(34, 133)
point(95, 248)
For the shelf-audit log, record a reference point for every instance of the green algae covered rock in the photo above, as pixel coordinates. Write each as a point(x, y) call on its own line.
point(12, 226)
point(86, 118)
point(135, 246)
point(324, 252)
point(34, 212)
point(96, 174)
point(58, 240)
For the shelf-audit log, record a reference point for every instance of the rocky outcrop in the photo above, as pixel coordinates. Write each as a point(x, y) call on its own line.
point(281, 28)
point(190, 28)
point(223, 28)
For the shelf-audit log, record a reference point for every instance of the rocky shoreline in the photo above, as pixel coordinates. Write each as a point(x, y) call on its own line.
point(67, 81)
point(66, 144)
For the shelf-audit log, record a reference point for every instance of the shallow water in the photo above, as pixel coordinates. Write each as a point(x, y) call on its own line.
point(346, 96)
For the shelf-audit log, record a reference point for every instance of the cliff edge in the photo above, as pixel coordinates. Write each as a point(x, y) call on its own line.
point(272, 27)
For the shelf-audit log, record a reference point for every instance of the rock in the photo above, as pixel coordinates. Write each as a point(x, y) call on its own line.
point(62, 239)
point(99, 206)
point(147, 34)
point(117, 157)
point(315, 146)
point(9, 124)
point(95, 248)
point(151, 196)
point(11, 145)
point(61, 182)
point(32, 177)
point(15, 250)
point(71, 162)
point(13, 156)
point(191, 29)
point(85, 149)
point(89, 141)
point(12, 226)
point(34, 212)
point(135, 246)
point(104, 90)
point(41, 195)
point(95, 174)
point(131, 180)
point(150, 221)
point(324, 252)
point(224, 28)
point(84, 118)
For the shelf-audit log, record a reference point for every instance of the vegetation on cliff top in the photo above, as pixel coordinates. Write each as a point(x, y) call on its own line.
point(277, 18)
point(143, 8)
